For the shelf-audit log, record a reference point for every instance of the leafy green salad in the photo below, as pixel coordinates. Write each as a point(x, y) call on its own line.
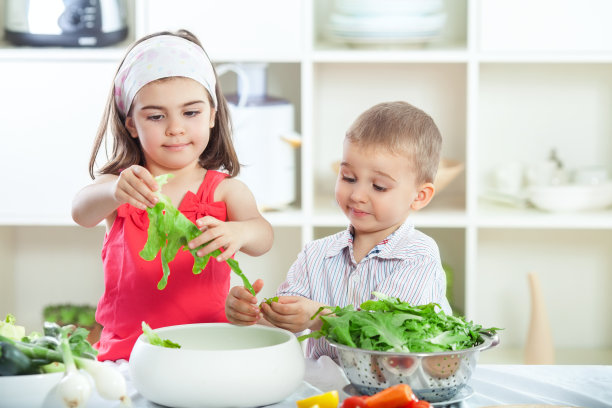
point(388, 324)
point(169, 230)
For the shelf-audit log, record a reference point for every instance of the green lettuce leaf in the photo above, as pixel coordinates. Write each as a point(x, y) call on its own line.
point(169, 230)
point(154, 338)
point(388, 324)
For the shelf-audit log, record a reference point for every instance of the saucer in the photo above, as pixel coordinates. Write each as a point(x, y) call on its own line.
point(463, 394)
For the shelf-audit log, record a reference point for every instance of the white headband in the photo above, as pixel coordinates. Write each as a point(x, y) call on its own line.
point(161, 57)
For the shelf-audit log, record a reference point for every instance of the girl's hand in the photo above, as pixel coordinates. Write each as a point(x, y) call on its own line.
point(292, 313)
point(136, 186)
point(219, 234)
point(241, 306)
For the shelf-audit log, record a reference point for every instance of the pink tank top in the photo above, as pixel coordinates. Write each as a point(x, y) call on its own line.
point(130, 283)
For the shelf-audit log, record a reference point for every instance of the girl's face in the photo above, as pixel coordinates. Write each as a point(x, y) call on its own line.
point(172, 119)
point(377, 189)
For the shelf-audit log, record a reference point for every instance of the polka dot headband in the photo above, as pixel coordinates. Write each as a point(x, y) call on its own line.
point(161, 57)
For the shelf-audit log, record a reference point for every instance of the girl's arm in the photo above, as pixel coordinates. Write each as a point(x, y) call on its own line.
point(100, 200)
point(246, 229)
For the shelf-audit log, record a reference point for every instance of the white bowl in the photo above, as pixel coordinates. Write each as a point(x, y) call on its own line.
point(571, 197)
point(218, 365)
point(27, 391)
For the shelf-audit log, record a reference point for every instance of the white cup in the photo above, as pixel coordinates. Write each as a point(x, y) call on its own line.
point(508, 178)
point(591, 176)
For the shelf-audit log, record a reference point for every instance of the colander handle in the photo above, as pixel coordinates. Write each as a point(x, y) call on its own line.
point(493, 340)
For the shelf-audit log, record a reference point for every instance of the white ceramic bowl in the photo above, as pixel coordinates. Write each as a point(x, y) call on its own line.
point(218, 365)
point(27, 391)
point(571, 197)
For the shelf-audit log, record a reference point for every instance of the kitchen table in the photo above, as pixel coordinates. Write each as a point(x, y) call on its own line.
point(588, 386)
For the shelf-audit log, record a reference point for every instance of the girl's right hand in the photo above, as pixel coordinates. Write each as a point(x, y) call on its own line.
point(241, 306)
point(136, 186)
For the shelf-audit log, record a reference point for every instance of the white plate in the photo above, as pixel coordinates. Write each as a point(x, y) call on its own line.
point(395, 7)
point(571, 197)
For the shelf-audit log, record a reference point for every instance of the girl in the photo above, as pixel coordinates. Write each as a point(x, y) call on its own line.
point(167, 115)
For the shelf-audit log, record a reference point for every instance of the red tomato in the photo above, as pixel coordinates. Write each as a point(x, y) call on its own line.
point(402, 362)
point(355, 402)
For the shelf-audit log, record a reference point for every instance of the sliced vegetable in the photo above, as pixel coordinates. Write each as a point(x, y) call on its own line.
point(396, 396)
point(169, 230)
point(9, 329)
point(355, 402)
point(388, 324)
point(155, 340)
point(326, 400)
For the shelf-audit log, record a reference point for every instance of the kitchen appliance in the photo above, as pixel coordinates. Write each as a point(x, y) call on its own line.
point(66, 23)
point(264, 137)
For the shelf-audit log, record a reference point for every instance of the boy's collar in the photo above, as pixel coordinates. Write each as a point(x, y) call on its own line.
point(344, 239)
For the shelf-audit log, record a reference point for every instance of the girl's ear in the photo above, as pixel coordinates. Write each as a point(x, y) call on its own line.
point(213, 115)
point(129, 125)
point(424, 195)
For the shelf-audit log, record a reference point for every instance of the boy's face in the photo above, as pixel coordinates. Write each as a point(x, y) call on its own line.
point(377, 189)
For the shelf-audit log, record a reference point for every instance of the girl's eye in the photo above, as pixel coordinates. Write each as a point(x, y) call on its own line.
point(190, 114)
point(379, 188)
point(155, 117)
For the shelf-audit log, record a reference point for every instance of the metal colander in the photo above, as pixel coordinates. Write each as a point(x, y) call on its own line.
point(434, 377)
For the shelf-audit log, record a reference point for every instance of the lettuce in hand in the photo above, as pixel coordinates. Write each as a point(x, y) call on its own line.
point(169, 230)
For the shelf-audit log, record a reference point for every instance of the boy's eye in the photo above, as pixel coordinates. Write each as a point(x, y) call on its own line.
point(348, 179)
point(379, 188)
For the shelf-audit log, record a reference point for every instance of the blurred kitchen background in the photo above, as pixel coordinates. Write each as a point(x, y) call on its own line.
point(521, 90)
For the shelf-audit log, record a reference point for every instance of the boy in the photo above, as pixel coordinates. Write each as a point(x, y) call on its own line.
point(390, 157)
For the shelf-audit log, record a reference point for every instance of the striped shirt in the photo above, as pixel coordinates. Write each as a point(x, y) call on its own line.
point(406, 265)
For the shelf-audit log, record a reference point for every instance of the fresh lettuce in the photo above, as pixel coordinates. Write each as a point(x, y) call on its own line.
point(388, 324)
point(9, 329)
point(154, 338)
point(169, 230)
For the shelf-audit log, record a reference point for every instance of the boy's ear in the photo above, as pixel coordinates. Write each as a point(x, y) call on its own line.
point(129, 125)
point(424, 195)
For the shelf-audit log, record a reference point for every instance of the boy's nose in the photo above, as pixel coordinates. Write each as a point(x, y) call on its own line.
point(358, 193)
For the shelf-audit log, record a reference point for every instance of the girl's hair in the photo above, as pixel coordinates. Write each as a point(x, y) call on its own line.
point(126, 150)
point(400, 128)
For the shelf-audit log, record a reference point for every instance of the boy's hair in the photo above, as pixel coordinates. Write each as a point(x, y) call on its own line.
point(126, 150)
point(400, 128)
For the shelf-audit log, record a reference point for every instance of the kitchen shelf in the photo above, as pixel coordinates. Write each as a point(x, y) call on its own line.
point(497, 97)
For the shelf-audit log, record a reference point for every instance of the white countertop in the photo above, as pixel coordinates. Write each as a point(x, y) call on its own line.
point(569, 385)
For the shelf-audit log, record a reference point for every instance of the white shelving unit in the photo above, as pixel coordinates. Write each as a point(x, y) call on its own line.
point(498, 94)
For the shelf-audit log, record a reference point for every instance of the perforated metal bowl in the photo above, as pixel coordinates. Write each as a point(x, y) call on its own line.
point(434, 377)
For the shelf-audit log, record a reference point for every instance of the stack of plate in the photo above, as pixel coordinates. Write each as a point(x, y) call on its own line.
point(386, 21)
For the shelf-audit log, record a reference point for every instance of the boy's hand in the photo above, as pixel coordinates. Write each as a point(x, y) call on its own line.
point(241, 306)
point(292, 313)
point(136, 186)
